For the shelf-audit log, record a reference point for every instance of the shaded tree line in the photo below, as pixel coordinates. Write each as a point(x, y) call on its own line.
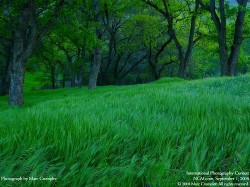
point(93, 42)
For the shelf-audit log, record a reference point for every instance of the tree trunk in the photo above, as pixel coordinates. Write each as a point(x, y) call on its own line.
point(155, 73)
point(238, 38)
point(223, 52)
point(24, 40)
point(152, 64)
point(181, 72)
point(228, 64)
point(17, 83)
point(18, 70)
point(233, 60)
point(220, 24)
point(95, 68)
point(73, 79)
point(153, 69)
point(96, 63)
point(185, 61)
point(183, 57)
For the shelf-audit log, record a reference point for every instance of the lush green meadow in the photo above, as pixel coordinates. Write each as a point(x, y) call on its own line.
point(128, 135)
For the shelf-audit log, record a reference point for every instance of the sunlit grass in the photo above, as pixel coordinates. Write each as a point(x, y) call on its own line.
point(128, 135)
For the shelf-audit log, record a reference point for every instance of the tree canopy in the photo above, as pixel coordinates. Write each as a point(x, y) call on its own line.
point(93, 42)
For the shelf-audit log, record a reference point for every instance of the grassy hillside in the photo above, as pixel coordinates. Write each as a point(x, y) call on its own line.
point(129, 135)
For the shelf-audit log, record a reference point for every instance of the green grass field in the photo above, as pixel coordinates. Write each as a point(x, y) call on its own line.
point(128, 135)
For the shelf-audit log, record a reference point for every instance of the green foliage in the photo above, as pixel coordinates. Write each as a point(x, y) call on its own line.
point(147, 28)
point(32, 82)
point(127, 136)
point(136, 28)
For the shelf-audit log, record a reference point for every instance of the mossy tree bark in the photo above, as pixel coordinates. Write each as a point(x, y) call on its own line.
point(96, 63)
point(228, 58)
point(24, 40)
